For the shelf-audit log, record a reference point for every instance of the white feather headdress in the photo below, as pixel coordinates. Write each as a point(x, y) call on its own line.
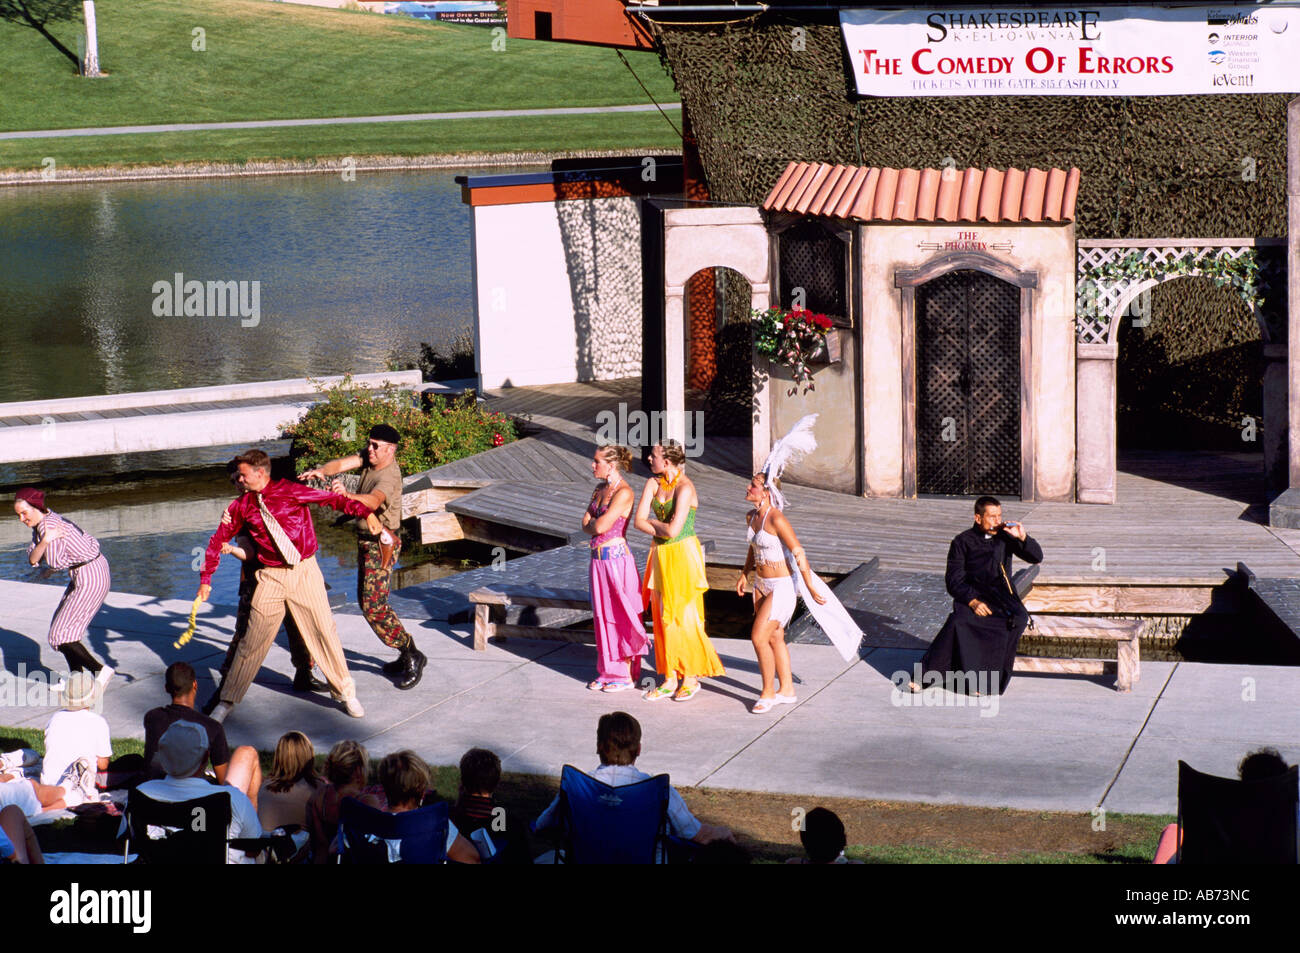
point(795, 445)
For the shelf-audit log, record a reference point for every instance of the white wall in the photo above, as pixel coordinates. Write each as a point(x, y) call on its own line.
point(557, 291)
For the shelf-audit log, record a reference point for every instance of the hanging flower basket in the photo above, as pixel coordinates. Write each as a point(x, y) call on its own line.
point(793, 339)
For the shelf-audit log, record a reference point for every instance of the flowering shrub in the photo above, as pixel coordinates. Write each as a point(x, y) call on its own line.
point(447, 431)
point(791, 338)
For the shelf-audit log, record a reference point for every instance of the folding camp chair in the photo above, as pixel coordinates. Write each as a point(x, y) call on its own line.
point(1226, 821)
point(194, 831)
point(602, 824)
point(368, 835)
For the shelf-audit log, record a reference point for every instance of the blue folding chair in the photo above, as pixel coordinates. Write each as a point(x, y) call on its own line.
point(601, 824)
point(368, 835)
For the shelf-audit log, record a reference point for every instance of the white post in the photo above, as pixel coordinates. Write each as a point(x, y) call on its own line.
point(1285, 510)
point(91, 65)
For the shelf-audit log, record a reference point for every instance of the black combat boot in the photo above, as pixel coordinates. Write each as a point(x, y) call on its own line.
point(412, 668)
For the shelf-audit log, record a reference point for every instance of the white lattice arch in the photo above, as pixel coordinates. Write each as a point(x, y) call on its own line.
point(1098, 322)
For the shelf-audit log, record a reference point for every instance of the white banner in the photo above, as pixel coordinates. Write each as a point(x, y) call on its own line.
point(1072, 51)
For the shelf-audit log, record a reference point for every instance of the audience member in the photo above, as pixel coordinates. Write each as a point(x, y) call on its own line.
point(823, 839)
point(76, 746)
point(17, 839)
point(346, 769)
point(241, 769)
point(183, 754)
point(30, 796)
point(290, 785)
point(1255, 766)
point(476, 809)
point(405, 779)
point(618, 745)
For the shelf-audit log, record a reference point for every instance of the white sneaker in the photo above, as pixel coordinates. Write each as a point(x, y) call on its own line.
point(18, 761)
point(78, 783)
point(104, 675)
point(353, 707)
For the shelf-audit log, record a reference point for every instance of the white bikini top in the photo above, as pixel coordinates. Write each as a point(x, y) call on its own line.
point(767, 545)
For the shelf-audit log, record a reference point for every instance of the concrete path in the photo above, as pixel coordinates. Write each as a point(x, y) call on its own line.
point(330, 121)
point(1053, 743)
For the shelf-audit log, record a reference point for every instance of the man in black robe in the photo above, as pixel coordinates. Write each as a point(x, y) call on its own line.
point(976, 648)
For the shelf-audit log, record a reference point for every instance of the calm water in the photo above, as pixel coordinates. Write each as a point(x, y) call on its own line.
point(152, 531)
point(349, 273)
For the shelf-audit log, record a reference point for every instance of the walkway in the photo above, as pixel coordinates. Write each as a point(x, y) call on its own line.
point(166, 419)
point(329, 121)
point(1053, 743)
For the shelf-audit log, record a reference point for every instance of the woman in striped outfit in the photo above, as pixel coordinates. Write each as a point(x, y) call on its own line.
point(64, 546)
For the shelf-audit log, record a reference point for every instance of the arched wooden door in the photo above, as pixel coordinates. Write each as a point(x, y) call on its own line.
point(968, 400)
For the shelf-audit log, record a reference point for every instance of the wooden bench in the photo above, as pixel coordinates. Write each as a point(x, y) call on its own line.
point(486, 598)
point(1122, 632)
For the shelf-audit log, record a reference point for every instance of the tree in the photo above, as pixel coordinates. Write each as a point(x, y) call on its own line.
point(38, 14)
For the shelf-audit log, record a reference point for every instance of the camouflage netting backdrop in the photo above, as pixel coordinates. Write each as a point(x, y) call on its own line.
point(1156, 167)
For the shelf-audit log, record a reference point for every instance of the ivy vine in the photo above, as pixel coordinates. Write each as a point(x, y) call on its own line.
point(1241, 272)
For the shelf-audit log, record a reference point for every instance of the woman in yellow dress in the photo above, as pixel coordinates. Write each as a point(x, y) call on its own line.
point(675, 580)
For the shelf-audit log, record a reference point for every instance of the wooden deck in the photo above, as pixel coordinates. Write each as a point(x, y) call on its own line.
point(1190, 516)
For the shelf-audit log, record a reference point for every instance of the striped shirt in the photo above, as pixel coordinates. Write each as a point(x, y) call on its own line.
point(72, 547)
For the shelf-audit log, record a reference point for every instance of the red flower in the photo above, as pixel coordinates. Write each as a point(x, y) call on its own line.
point(497, 440)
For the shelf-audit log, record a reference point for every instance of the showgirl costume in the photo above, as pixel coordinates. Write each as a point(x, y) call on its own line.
point(831, 616)
point(615, 603)
point(675, 570)
point(768, 549)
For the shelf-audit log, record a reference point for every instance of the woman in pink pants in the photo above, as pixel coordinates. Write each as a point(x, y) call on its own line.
point(615, 582)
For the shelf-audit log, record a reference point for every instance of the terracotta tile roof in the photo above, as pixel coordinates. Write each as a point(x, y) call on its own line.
point(925, 195)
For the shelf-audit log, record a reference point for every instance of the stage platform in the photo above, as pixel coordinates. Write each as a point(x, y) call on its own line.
point(1179, 515)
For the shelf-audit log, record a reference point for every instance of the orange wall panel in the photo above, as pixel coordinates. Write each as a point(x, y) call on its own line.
point(598, 22)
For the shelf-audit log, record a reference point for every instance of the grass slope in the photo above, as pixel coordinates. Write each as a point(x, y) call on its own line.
point(279, 61)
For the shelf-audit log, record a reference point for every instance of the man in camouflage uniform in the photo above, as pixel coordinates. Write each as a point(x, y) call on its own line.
point(381, 490)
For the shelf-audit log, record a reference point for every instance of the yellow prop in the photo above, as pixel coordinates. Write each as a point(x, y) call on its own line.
point(189, 631)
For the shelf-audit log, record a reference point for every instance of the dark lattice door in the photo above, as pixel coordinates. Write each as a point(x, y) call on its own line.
point(968, 385)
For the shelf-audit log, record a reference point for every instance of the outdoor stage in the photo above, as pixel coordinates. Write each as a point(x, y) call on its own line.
point(1062, 743)
point(1174, 545)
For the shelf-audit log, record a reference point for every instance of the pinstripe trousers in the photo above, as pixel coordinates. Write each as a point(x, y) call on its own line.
point(81, 600)
point(302, 589)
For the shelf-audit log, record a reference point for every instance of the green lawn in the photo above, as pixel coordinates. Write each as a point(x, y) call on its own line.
point(281, 61)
